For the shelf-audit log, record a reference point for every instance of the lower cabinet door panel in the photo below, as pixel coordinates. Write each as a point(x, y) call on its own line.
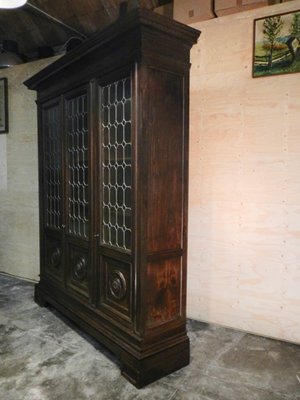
point(116, 293)
point(78, 270)
point(53, 257)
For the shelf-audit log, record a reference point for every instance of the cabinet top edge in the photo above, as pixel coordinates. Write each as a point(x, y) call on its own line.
point(137, 18)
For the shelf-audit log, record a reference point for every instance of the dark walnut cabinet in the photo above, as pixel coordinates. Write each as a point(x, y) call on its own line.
point(113, 173)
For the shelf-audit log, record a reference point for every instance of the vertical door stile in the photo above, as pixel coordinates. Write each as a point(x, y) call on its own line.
point(99, 191)
point(66, 183)
point(63, 184)
point(41, 161)
point(142, 193)
point(93, 198)
point(135, 190)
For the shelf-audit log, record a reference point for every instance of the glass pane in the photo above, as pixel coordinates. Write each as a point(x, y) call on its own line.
point(52, 166)
point(116, 163)
point(77, 145)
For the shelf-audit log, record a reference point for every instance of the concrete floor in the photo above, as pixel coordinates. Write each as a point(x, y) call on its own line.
point(45, 357)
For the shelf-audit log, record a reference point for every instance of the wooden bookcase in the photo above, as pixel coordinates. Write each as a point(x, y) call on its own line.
point(113, 118)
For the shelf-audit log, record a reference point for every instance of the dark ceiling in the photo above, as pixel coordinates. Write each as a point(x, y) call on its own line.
point(53, 22)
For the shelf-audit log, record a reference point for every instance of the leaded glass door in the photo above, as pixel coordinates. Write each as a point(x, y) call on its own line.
point(52, 191)
point(77, 201)
point(115, 187)
point(116, 164)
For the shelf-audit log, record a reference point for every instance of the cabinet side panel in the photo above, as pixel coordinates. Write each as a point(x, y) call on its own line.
point(165, 186)
point(164, 291)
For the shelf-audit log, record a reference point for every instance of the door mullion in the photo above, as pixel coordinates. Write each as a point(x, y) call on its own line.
point(64, 185)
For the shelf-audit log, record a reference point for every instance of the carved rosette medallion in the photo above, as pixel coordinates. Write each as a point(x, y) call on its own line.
point(117, 285)
point(80, 269)
point(55, 257)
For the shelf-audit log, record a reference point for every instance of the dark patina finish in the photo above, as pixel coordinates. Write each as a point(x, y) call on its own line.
point(113, 161)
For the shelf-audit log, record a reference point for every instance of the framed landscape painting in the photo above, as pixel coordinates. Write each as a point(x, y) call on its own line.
point(276, 48)
point(3, 106)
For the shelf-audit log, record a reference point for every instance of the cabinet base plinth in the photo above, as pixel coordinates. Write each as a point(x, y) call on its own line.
point(158, 365)
point(138, 371)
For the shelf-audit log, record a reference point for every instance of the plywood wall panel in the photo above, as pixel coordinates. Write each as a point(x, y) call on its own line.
point(293, 125)
point(217, 177)
point(292, 182)
point(263, 315)
point(262, 178)
point(188, 11)
point(221, 4)
point(244, 218)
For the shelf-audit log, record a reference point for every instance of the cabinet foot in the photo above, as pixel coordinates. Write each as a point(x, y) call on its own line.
point(39, 297)
point(143, 372)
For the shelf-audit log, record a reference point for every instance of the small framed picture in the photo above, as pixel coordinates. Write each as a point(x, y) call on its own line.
point(276, 47)
point(3, 106)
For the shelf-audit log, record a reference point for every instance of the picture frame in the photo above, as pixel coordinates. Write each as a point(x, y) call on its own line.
point(276, 44)
point(3, 105)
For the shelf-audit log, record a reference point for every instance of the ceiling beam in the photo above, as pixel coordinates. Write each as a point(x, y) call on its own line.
point(163, 2)
point(32, 8)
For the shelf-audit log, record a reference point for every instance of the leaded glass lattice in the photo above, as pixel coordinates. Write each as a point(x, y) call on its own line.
point(52, 166)
point(77, 144)
point(116, 163)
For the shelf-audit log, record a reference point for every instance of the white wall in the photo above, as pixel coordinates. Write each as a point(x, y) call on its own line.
point(19, 242)
point(244, 211)
point(3, 162)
